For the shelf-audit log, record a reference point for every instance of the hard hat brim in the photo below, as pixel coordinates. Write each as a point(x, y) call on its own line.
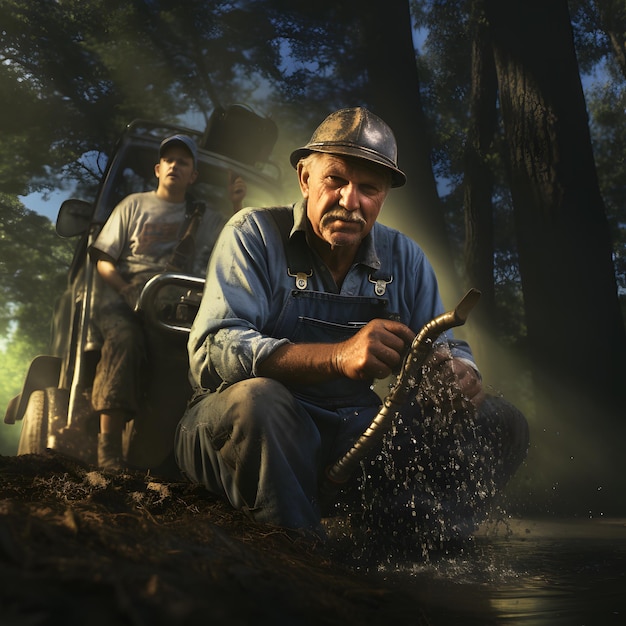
point(398, 177)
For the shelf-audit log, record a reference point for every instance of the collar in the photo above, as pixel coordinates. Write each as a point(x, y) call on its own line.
point(366, 254)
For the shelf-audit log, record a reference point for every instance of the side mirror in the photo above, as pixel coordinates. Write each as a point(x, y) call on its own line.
point(74, 217)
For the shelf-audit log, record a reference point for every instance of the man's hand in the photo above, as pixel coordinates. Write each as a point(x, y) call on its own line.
point(374, 352)
point(237, 190)
point(130, 292)
point(461, 377)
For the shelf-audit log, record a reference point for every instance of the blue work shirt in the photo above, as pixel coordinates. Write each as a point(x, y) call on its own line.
point(249, 283)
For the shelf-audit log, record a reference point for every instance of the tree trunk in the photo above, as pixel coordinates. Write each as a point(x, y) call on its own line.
point(575, 327)
point(478, 183)
point(394, 91)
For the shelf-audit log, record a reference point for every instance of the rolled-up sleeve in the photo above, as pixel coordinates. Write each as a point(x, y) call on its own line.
point(226, 342)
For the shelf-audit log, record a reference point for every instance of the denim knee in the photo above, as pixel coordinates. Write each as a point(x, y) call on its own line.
point(508, 429)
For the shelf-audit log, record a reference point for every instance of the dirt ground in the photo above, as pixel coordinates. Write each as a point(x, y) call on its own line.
point(78, 546)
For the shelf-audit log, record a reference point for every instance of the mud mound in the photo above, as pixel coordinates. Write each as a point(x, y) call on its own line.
point(78, 546)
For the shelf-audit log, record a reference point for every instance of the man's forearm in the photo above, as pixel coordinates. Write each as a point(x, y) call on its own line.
point(301, 363)
point(110, 275)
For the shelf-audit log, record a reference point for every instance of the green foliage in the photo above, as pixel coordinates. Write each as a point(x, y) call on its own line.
point(592, 44)
point(74, 73)
point(33, 269)
point(14, 361)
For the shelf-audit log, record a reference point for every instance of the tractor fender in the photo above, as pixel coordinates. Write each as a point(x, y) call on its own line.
point(44, 371)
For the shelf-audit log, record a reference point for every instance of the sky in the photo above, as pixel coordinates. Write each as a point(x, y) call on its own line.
point(46, 204)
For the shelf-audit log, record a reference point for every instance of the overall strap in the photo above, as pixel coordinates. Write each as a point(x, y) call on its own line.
point(298, 261)
point(382, 276)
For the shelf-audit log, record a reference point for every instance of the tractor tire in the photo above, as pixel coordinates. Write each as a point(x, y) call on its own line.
point(34, 435)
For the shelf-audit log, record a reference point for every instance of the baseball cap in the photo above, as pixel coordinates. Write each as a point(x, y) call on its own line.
point(185, 140)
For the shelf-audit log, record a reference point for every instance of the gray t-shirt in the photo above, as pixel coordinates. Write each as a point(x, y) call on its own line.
point(141, 233)
point(143, 230)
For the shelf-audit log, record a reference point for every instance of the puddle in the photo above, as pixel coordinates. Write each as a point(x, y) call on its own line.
point(535, 572)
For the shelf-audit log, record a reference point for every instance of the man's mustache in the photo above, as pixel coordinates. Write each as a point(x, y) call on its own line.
point(344, 216)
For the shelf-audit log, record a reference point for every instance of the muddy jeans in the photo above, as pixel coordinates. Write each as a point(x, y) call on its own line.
point(267, 452)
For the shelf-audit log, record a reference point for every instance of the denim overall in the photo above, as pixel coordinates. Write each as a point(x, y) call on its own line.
point(265, 446)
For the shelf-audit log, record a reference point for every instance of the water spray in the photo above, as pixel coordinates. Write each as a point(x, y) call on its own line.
point(407, 383)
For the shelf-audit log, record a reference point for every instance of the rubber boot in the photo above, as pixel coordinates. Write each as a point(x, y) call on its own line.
point(110, 456)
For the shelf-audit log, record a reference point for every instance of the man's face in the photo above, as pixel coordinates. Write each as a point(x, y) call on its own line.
point(344, 197)
point(175, 169)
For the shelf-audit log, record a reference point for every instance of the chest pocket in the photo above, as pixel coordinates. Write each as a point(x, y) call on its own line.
point(316, 317)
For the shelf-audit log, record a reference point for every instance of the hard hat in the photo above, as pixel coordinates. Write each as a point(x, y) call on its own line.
point(355, 132)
